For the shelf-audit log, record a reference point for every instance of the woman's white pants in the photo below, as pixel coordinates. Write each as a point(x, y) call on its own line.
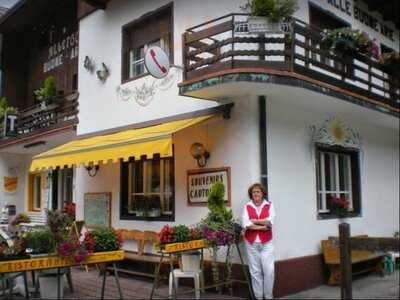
point(261, 264)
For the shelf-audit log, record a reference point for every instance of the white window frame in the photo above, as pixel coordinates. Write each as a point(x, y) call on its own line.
point(322, 192)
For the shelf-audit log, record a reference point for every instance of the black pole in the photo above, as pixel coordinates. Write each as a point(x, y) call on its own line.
point(263, 140)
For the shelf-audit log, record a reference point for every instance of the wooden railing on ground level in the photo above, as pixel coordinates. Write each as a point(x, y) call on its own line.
point(218, 45)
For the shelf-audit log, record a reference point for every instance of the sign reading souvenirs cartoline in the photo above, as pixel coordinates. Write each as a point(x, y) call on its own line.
point(200, 181)
point(62, 50)
point(363, 16)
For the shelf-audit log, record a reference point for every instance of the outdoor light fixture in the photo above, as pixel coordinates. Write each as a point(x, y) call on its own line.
point(200, 154)
point(92, 170)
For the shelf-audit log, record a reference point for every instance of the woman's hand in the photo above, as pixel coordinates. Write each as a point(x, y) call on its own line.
point(259, 227)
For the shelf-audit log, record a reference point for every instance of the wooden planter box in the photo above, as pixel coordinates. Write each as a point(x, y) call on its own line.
point(54, 261)
point(191, 245)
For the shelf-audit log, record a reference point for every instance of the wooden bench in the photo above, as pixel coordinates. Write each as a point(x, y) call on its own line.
point(361, 261)
point(142, 239)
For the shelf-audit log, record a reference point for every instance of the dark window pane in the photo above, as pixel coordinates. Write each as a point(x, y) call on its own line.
point(328, 171)
point(37, 191)
point(155, 176)
point(137, 177)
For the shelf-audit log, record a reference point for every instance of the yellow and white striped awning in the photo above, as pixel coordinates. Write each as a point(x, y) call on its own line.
point(113, 147)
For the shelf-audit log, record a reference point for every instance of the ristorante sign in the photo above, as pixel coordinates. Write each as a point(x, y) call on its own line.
point(363, 16)
point(200, 181)
point(49, 262)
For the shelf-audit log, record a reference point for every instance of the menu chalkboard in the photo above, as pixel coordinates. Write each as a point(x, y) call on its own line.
point(97, 209)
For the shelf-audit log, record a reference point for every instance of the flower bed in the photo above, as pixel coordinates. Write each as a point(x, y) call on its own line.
point(61, 237)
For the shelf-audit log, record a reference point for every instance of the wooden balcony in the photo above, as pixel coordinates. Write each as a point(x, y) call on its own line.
point(215, 50)
point(38, 119)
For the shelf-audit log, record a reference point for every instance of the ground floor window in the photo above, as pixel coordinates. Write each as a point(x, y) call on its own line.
point(338, 177)
point(62, 187)
point(147, 189)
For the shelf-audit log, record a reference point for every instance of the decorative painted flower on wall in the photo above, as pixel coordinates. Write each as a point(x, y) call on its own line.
point(337, 131)
point(333, 131)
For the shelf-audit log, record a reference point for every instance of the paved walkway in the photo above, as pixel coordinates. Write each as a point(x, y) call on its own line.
point(371, 286)
point(87, 285)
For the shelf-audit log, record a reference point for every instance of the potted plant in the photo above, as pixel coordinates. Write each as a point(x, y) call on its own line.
point(47, 93)
point(339, 206)
point(103, 239)
point(189, 260)
point(342, 41)
point(140, 206)
point(218, 227)
point(265, 15)
point(5, 109)
point(40, 242)
point(390, 62)
point(20, 218)
point(59, 224)
point(75, 249)
point(15, 251)
point(70, 210)
point(154, 207)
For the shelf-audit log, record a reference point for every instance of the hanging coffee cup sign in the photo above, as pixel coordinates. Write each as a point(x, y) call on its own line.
point(157, 62)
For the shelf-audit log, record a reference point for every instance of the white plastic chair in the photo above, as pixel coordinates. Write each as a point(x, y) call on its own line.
point(196, 275)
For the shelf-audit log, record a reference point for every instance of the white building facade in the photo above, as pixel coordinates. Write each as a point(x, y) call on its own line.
point(329, 130)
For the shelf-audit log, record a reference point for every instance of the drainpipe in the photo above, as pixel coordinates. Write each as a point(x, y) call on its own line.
point(262, 105)
point(1, 65)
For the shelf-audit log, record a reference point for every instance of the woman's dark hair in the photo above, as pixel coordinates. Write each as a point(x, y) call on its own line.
point(259, 186)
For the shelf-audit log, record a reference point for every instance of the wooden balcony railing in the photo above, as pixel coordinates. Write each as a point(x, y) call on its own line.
point(63, 109)
point(220, 45)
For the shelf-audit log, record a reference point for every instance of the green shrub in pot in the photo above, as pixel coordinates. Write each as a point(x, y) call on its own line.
point(40, 241)
point(105, 239)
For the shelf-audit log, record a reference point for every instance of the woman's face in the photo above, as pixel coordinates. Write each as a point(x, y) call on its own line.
point(257, 196)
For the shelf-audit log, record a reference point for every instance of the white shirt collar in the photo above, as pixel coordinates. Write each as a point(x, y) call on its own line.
point(259, 207)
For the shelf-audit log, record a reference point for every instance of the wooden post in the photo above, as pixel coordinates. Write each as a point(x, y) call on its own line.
point(184, 59)
point(345, 261)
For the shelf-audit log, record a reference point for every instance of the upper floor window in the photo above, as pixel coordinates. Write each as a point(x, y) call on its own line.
point(153, 29)
point(338, 176)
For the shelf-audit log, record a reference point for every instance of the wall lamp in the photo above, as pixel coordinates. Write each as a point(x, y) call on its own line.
point(92, 170)
point(200, 154)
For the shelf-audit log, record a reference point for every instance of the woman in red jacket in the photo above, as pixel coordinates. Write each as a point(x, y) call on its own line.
point(257, 219)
